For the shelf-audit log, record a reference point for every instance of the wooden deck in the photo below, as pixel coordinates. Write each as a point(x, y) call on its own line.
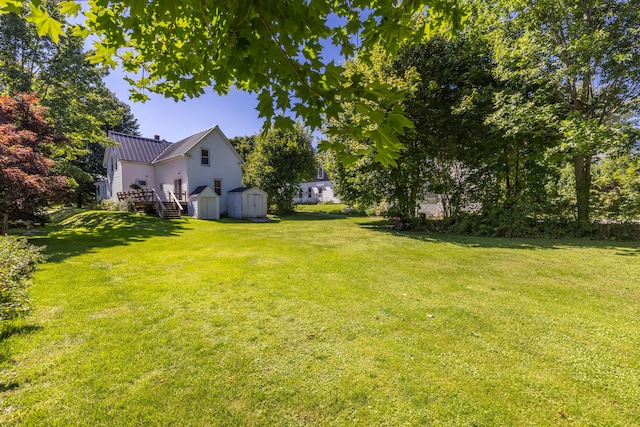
point(137, 196)
point(145, 201)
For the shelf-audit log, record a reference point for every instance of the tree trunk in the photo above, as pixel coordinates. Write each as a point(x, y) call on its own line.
point(79, 199)
point(5, 223)
point(582, 172)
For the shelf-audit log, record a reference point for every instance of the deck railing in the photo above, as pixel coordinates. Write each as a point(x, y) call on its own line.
point(175, 200)
point(158, 204)
point(136, 195)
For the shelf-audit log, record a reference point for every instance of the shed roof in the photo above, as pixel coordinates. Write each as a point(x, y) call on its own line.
point(198, 190)
point(240, 189)
point(134, 148)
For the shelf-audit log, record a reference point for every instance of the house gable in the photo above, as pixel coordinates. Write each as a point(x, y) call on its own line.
point(188, 147)
point(206, 158)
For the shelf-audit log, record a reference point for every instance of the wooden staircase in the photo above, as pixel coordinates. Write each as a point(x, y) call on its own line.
point(144, 199)
point(170, 211)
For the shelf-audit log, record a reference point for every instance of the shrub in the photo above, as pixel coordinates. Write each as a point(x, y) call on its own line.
point(122, 206)
point(18, 260)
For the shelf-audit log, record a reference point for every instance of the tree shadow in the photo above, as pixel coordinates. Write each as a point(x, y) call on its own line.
point(623, 248)
point(8, 330)
point(87, 231)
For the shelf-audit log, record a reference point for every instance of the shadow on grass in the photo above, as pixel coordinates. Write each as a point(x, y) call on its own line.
point(7, 330)
point(623, 248)
point(90, 230)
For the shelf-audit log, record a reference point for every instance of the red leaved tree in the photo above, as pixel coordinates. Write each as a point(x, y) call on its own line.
point(27, 141)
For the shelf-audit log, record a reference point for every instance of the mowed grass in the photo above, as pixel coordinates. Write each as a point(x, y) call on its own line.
point(313, 321)
point(327, 208)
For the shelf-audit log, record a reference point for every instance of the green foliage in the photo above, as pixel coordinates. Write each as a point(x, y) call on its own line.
point(616, 187)
point(79, 104)
point(18, 260)
point(271, 48)
point(451, 89)
point(279, 162)
point(125, 205)
point(244, 145)
point(587, 53)
point(500, 116)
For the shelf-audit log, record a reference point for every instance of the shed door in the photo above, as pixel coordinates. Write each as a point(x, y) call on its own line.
point(208, 208)
point(255, 206)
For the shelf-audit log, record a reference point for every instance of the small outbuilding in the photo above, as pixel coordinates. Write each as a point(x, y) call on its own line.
point(204, 203)
point(247, 202)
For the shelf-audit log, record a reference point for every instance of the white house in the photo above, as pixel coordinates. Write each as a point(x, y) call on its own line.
point(204, 159)
point(320, 190)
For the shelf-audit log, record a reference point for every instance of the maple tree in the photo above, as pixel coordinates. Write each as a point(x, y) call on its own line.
point(588, 52)
point(275, 49)
point(27, 183)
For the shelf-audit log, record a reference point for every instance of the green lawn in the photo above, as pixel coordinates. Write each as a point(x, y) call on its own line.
point(315, 320)
point(327, 208)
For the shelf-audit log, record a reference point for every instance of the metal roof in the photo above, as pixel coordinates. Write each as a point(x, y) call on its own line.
point(136, 148)
point(146, 150)
point(181, 147)
point(198, 190)
point(240, 189)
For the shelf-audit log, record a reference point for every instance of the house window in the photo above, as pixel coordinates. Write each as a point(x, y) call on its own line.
point(204, 157)
point(217, 186)
point(320, 173)
point(309, 192)
point(320, 190)
point(300, 193)
point(177, 188)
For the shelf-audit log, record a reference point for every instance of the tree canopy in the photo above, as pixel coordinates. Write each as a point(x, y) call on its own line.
point(27, 183)
point(278, 163)
point(79, 104)
point(528, 95)
point(588, 53)
point(272, 48)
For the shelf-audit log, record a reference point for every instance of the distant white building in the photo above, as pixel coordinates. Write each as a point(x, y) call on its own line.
point(320, 190)
point(431, 206)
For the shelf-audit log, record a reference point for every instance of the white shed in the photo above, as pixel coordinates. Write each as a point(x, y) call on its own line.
point(204, 203)
point(247, 202)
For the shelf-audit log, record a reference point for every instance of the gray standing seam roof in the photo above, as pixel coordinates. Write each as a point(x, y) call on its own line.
point(240, 189)
point(198, 190)
point(136, 148)
point(181, 147)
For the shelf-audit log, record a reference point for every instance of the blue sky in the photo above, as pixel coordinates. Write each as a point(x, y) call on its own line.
point(235, 114)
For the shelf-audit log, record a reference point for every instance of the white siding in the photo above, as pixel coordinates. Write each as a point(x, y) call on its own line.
point(169, 171)
point(224, 164)
point(133, 172)
point(316, 192)
point(252, 203)
point(205, 205)
point(116, 180)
